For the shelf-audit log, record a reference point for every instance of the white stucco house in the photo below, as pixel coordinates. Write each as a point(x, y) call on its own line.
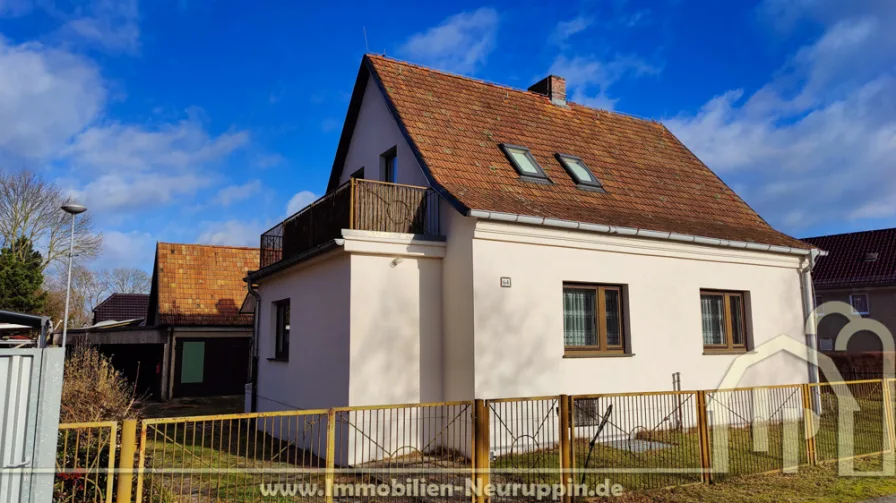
point(479, 241)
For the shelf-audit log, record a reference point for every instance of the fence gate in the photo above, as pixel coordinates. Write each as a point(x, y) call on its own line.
point(31, 386)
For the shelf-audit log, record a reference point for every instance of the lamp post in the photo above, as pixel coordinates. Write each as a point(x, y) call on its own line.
point(72, 209)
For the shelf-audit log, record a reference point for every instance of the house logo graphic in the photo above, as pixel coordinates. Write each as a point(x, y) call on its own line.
point(793, 419)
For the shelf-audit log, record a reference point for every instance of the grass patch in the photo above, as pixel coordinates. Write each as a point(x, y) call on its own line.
point(820, 484)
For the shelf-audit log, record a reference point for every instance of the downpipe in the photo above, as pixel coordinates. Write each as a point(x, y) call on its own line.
point(253, 367)
point(811, 326)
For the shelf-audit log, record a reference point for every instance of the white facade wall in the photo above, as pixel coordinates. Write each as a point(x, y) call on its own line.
point(375, 133)
point(396, 326)
point(457, 305)
point(317, 373)
point(519, 347)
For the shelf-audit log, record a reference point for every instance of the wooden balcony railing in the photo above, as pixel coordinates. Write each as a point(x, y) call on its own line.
point(359, 204)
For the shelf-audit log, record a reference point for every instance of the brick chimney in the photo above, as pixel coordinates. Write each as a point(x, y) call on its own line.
point(553, 87)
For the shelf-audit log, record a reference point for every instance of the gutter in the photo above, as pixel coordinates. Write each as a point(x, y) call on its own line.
point(635, 232)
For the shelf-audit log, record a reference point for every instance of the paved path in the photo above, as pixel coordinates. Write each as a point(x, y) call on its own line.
point(885, 499)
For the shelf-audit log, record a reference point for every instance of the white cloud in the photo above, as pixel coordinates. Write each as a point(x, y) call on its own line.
point(127, 166)
point(110, 24)
point(566, 29)
point(299, 201)
point(818, 141)
point(13, 8)
point(236, 193)
point(269, 160)
point(128, 249)
point(127, 191)
point(178, 145)
point(47, 96)
point(231, 233)
point(588, 78)
point(460, 43)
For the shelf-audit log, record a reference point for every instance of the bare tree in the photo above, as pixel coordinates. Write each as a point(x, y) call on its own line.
point(125, 280)
point(89, 288)
point(30, 207)
point(87, 291)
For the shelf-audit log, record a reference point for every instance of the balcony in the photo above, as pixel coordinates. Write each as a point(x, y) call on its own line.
point(365, 205)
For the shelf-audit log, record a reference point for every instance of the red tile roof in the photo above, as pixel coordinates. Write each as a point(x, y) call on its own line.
point(201, 284)
point(121, 307)
point(848, 261)
point(652, 180)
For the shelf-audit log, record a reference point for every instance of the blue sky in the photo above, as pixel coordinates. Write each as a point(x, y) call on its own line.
point(207, 121)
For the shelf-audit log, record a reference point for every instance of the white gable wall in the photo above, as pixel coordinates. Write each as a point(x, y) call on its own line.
point(375, 133)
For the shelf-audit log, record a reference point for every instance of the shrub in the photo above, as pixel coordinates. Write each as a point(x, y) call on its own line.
point(93, 390)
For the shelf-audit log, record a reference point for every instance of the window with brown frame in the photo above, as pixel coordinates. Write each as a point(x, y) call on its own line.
point(724, 325)
point(281, 330)
point(592, 319)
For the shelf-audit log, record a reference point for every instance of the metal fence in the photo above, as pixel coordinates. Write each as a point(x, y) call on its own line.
point(85, 460)
point(641, 441)
point(524, 440)
point(855, 419)
point(756, 430)
point(229, 457)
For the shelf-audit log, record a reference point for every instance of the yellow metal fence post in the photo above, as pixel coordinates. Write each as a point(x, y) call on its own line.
point(888, 413)
point(126, 461)
point(110, 477)
point(141, 462)
point(481, 449)
point(809, 424)
point(331, 454)
point(565, 435)
point(703, 434)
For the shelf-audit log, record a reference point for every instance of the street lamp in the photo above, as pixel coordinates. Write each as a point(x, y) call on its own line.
point(72, 209)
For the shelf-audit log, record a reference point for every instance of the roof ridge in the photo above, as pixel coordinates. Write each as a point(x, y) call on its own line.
point(508, 88)
point(209, 245)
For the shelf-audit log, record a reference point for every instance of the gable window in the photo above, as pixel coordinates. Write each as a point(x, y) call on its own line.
point(859, 303)
point(281, 330)
point(577, 169)
point(825, 344)
point(819, 301)
point(723, 317)
point(523, 162)
point(592, 319)
point(390, 165)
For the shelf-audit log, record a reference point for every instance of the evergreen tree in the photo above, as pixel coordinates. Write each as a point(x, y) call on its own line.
point(21, 278)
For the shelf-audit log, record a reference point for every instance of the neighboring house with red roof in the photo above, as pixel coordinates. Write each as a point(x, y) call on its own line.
point(194, 341)
point(121, 307)
point(482, 241)
point(859, 269)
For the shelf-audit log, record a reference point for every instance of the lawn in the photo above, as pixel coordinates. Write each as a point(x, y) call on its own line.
point(811, 485)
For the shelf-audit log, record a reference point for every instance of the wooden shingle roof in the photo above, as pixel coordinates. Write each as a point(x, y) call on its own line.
point(201, 284)
point(653, 182)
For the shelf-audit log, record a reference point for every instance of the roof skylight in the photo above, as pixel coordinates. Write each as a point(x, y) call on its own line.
point(577, 169)
point(522, 160)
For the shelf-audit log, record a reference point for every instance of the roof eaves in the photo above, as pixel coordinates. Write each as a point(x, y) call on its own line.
point(631, 231)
